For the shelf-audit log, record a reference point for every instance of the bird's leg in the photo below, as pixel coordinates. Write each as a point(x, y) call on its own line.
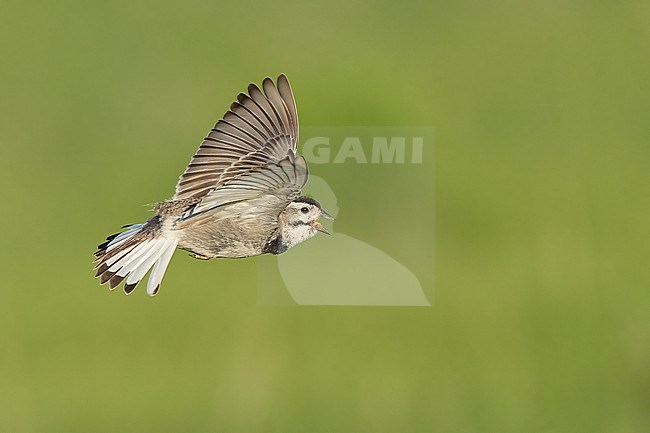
point(199, 256)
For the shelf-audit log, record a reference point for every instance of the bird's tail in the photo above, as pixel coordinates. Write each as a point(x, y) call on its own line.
point(131, 253)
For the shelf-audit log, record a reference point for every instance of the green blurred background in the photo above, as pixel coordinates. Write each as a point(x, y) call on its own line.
point(540, 317)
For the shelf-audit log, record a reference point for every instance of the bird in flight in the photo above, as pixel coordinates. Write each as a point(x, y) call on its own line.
point(240, 196)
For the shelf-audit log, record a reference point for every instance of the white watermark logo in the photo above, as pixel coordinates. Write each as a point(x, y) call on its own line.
point(344, 268)
point(362, 150)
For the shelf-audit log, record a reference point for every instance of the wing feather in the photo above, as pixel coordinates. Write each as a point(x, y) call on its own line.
point(260, 128)
point(278, 104)
point(287, 97)
point(263, 104)
point(276, 183)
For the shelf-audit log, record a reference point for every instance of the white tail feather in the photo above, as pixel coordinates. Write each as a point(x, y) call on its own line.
point(118, 257)
point(133, 259)
point(132, 262)
point(159, 269)
point(124, 236)
point(154, 253)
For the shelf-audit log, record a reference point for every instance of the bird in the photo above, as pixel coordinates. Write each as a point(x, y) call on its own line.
point(239, 196)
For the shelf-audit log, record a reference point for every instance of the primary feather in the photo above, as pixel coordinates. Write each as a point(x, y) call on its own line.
point(259, 128)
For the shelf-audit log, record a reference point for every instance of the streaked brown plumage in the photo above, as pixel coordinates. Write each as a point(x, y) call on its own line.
point(238, 197)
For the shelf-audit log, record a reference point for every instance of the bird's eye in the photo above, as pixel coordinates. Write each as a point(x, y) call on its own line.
point(304, 209)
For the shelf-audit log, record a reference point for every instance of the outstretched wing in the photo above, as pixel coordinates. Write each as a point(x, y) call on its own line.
point(260, 128)
point(259, 192)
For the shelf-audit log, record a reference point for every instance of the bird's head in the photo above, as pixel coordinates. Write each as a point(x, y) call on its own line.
point(299, 221)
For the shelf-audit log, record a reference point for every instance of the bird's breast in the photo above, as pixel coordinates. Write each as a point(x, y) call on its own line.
point(227, 237)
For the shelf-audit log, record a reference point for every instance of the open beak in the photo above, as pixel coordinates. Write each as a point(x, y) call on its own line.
point(318, 226)
point(326, 215)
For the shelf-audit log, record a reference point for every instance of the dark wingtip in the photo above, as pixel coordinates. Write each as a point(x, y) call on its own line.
point(252, 88)
point(128, 288)
point(268, 81)
point(242, 97)
point(155, 291)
